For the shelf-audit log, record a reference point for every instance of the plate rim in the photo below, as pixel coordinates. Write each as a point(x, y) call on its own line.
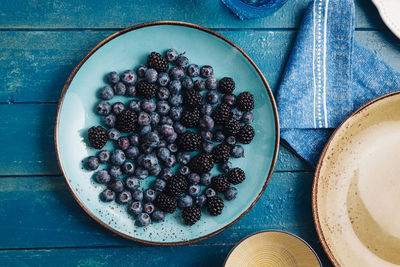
point(314, 199)
point(175, 23)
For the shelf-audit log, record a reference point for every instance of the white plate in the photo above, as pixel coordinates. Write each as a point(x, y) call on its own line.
point(390, 13)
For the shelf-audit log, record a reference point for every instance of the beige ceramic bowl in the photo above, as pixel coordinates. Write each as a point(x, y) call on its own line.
point(272, 248)
point(356, 194)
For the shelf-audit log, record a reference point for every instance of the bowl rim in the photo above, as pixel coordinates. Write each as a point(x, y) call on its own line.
point(174, 23)
point(314, 199)
point(273, 231)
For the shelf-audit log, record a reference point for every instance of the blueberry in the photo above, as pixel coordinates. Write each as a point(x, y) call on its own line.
point(146, 149)
point(163, 107)
point(175, 73)
point(183, 157)
point(175, 100)
point(206, 122)
point(163, 79)
point(166, 130)
point(166, 120)
point(141, 173)
point(143, 219)
point(229, 99)
point(237, 114)
point(137, 195)
point(104, 156)
point(115, 171)
point(162, 143)
point(182, 61)
point(199, 85)
point(135, 105)
point(119, 88)
point(205, 179)
point(226, 167)
point(176, 113)
point(141, 70)
point(106, 93)
point(132, 152)
point(135, 208)
point(159, 185)
point(173, 148)
point(148, 161)
point(132, 183)
point(206, 71)
point(212, 97)
point(149, 106)
point(117, 108)
point(148, 207)
point(109, 120)
point(248, 117)
point(184, 170)
point(219, 136)
point(117, 185)
point(162, 93)
point(163, 153)
point(166, 174)
point(128, 167)
point(154, 119)
point(171, 138)
point(237, 151)
point(149, 195)
point(103, 108)
point(193, 178)
point(193, 70)
point(187, 82)
point(155, 170)
point(107, 195)
point(124, 197)
point(103, 177)
point(175, 87)
point(92, 163)
point(209, 192)
point(152, 139)
point(145, 130)
point(207, 135)
point(118, 157)
point(206, 109)
point(130, 91)
point(171, 161)
point(179, 128)
point(123, 143)
point(194, 190)
point(171, 55)
point(231, 193)
point(185, 201)
point(208, 147)
point(144, 119)
point(211, 83)
point(158, 216)
point(134, 139)
point(129, 77)
point(200, 200)
point(151, 75)
point(113, 77)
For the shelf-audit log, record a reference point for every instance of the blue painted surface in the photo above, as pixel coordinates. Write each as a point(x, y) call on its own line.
point(40, 44)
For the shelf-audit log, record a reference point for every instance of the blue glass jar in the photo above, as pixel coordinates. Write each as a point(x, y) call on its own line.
point(250, 9)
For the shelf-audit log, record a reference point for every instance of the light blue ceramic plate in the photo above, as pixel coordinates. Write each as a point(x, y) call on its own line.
point(126, 50)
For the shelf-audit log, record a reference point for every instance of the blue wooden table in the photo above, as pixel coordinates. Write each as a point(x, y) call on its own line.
point(40, 44)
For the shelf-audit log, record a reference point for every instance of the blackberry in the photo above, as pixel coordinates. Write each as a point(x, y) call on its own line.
point(201, 163)
point(157, 62)
point(221, 153)
point(166, 203)
point(232, 127)
point(126, 121)
point(220, 183)
point(245, 101)
point(245, 134)
point(190, 118)
point(236, 176)
point(146, 90)
point(97, 137)
point(226, 85)
point(189, 141)
point(192, 98)
point(176, 185)
point(215, 205)
point(191, 215)
point(221, 114)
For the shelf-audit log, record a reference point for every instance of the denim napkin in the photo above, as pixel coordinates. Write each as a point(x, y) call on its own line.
point(328, 76)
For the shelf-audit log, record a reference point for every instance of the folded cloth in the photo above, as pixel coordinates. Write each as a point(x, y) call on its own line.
point(327, 77)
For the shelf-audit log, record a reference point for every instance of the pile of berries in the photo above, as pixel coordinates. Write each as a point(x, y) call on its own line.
point(178, 123)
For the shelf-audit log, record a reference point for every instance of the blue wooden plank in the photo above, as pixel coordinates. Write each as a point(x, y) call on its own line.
point(117, 14)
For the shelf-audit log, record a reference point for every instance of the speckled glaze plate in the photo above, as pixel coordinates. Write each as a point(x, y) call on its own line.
point(356, 194)
point(126, 50)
